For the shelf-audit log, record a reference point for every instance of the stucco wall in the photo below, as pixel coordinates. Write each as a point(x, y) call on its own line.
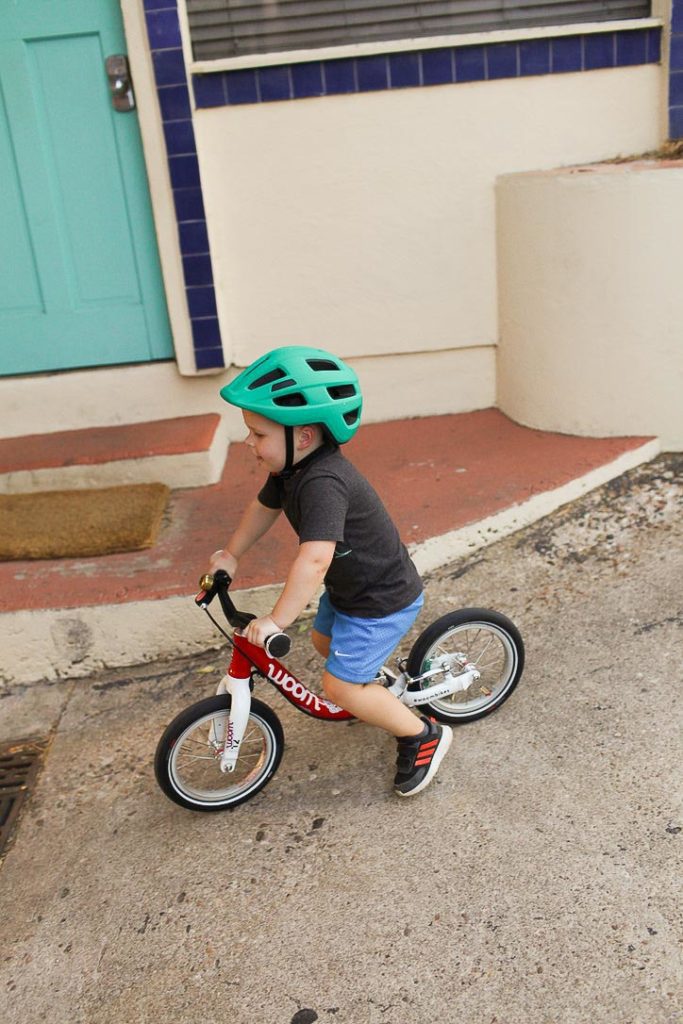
point(590, 290)
point(367, 223)
point(364, 223)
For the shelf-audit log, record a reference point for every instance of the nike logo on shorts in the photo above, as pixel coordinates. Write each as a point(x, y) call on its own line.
point(339, 654)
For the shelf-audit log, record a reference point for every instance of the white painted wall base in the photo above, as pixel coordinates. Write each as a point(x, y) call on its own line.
point(394, 387)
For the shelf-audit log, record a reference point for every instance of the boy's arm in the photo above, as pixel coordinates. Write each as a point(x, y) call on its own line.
point(256, 520)
point(304, 578)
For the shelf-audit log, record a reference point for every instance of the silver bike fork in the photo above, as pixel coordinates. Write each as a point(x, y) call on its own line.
point(227, 737)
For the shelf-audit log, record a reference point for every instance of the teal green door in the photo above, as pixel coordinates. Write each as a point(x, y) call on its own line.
point(80, 283)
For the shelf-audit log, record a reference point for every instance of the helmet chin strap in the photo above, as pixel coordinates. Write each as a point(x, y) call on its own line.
point(289, 452)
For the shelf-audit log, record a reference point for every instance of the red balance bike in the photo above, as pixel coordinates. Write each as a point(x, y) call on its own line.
point(223, 750)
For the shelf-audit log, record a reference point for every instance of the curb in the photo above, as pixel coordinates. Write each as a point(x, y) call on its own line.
point(54, 644)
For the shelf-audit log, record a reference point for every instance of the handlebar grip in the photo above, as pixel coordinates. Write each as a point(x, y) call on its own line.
point(277, 645)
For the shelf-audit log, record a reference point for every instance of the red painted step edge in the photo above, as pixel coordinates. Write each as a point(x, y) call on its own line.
point(98, 445)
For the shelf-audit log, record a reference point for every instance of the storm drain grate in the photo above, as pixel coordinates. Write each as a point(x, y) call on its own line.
point(20, 762)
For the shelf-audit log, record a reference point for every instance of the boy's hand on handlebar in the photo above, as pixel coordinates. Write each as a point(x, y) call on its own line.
point(223, 560)
point(258, 630)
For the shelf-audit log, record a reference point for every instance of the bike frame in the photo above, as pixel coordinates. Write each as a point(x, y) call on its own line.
point(246, 658)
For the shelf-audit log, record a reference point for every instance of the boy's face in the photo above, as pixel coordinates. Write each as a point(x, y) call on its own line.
point(266, 440)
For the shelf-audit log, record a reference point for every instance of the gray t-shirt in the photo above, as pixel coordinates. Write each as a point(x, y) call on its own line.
point(326, 498)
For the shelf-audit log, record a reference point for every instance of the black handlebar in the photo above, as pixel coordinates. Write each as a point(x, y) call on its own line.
point(276, 645)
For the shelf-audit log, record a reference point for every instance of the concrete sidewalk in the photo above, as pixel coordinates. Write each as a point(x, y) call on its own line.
point(452, 483)
point(532, 883)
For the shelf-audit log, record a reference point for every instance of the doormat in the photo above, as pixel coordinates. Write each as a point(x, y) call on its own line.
point(80, 524)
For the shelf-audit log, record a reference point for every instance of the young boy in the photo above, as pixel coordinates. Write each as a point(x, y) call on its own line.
point(299, 405)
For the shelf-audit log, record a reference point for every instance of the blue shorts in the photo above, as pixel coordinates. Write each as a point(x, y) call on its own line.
point(359, 647)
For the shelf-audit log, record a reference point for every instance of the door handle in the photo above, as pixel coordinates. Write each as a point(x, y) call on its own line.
point(120, 82)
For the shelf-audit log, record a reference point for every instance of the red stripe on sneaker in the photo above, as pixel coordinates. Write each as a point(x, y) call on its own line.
point(423, 760)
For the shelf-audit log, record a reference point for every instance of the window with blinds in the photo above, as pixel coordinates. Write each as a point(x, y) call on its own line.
point(234, 28)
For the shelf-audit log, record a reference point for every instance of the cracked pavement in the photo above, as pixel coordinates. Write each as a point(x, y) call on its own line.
point(533, 883)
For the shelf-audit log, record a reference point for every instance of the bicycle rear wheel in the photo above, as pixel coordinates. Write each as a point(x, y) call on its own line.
point(187, 760)
point(490, 641)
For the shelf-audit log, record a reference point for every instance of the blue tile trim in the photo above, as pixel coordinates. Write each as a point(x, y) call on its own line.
point(438, 67)
point(449, 65)
point(194, 238)
point(184, 171)
point(631, 48)
point(209, 358)
point(502, 60)
point(676, 89)
point(566, 54)
point(676, 122)
point(169, 67)
point(404, 70)
point(198, 270)
point(372, 73)
point(206, 332)
point(210, 90)
point(676, 71)
point(201, 302)
point(534, 57)
point(241, 87)
point(163, 31)
point(163, 28)
point(189, 204)
point(599, 51)
point(677, 16)
point(654, 46)
point(275, 83)
point(307, 80)
point(470, 64)
point(676, 54)
point(179, 137)
point(339, 76)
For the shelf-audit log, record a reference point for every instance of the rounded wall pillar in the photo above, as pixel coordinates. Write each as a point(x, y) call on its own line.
point(590, 277)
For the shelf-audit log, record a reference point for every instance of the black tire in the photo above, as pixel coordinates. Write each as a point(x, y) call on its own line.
point(202, 786)
point(491, 641)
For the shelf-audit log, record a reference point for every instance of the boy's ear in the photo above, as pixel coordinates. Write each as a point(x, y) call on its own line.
point(308, 436)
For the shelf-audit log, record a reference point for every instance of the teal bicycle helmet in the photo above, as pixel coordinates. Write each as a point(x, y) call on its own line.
point(297, 385)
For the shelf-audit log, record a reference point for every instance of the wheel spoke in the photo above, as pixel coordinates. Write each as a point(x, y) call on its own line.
point(479, 656)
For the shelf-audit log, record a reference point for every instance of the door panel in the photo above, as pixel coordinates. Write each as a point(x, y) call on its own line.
point(85, 285)
point(19, 286)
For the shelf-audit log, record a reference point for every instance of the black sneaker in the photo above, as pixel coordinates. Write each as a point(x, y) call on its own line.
point(419, 757)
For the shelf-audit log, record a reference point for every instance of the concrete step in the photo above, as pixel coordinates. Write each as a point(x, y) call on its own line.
point(188, 451)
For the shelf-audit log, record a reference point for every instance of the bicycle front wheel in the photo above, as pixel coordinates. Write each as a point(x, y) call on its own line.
point(187, 761)
point(490, 641)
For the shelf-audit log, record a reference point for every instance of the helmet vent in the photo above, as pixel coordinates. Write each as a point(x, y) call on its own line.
point(288, 400)
point(283, 384)
point(342, 391)
point(351, 417)
point(267, 378)
point(322, 364)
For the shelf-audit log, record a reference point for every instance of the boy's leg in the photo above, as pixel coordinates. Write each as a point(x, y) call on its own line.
point(422, 744)
point(374, 704)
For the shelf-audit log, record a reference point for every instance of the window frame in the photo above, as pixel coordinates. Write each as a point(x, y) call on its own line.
point(350, 50)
